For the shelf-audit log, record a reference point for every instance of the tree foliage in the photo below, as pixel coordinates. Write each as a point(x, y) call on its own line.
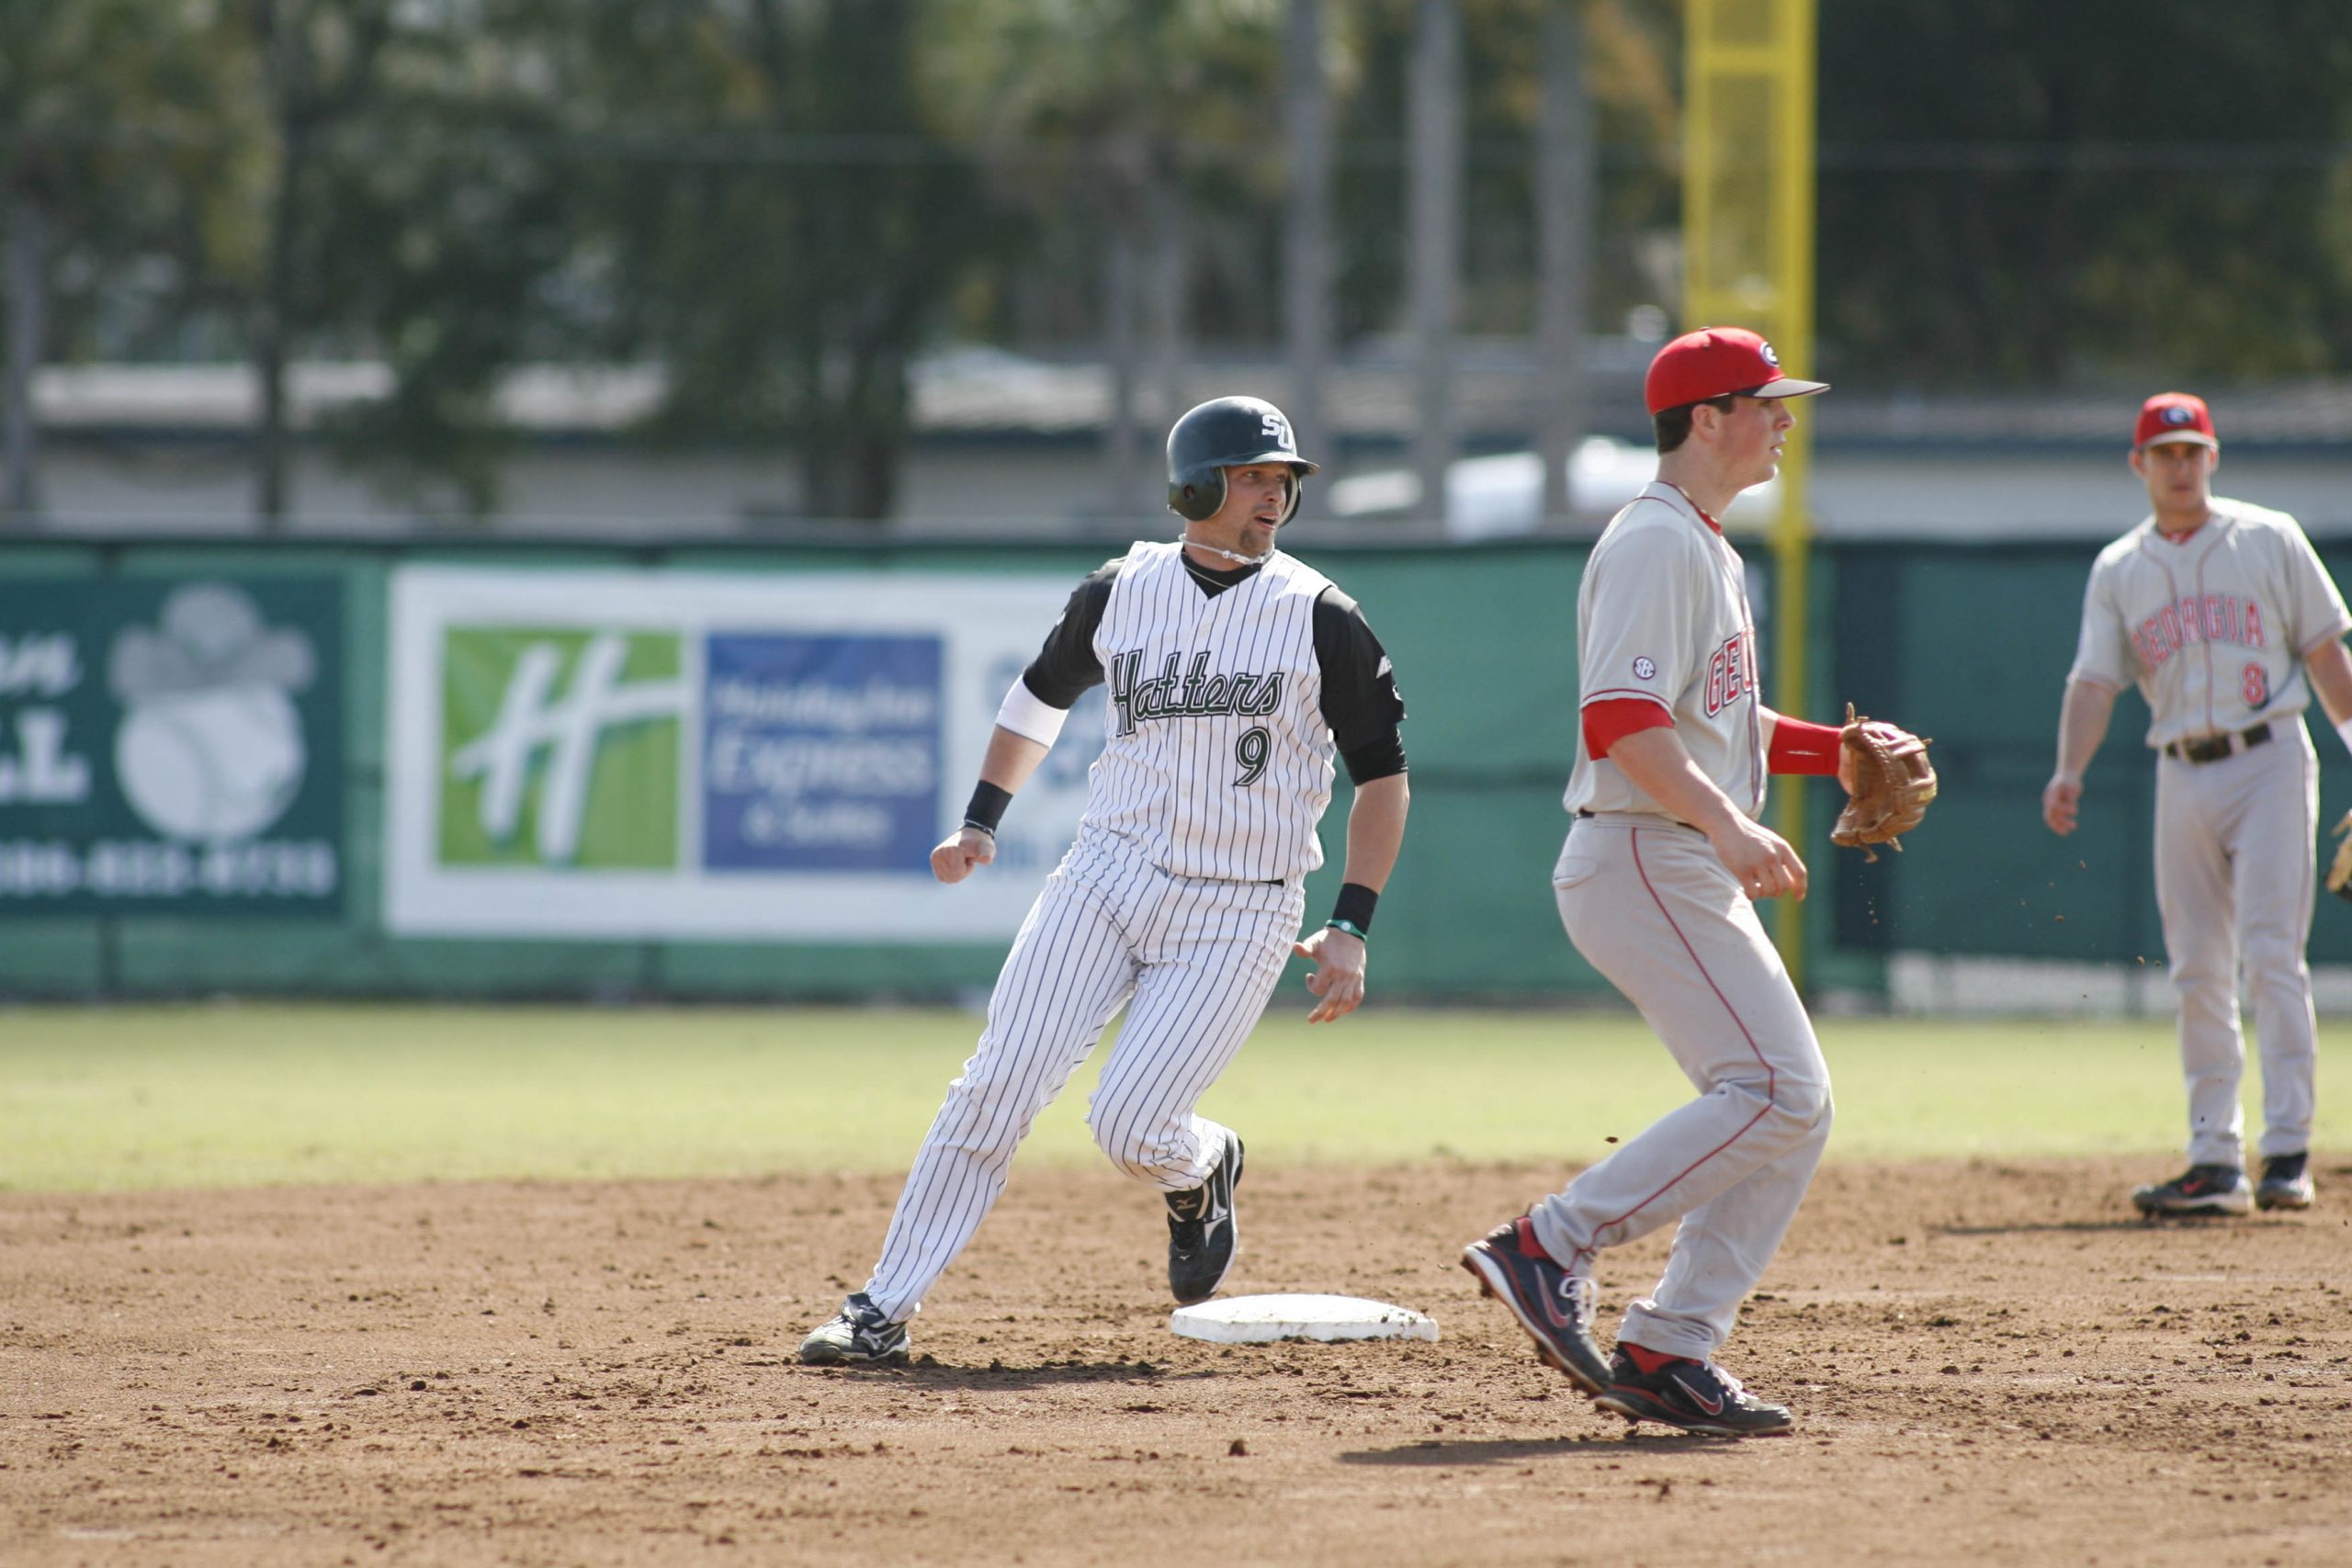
point(1631, 74)
point(771, 218)
point(437, 220)
point(130, 123)
point(2024, 192)
point(779, 203)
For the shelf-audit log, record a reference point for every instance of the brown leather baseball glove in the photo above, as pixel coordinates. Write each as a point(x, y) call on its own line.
point(1894, 782)
point(2339, 871)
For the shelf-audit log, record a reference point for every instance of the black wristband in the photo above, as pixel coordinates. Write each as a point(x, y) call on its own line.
point(987, 807)
point(1353, 907)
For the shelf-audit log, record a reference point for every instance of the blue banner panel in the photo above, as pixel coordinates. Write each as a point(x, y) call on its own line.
point(821, 752)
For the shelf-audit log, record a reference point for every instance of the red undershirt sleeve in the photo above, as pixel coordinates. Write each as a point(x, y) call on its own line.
point(1611, 719)
point(1802, 748)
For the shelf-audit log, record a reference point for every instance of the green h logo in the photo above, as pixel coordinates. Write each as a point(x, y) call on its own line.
point(561, 748)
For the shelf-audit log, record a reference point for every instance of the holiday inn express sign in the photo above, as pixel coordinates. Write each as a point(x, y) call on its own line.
point(651, 755)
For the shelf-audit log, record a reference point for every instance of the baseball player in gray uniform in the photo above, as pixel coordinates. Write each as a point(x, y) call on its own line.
point(2224, 616)
point(1657, 884)
point(1236, 672)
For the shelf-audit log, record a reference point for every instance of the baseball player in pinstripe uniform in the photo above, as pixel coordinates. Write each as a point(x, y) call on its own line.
point(1236, 672)
point(1657, 884)
point(2224, 616)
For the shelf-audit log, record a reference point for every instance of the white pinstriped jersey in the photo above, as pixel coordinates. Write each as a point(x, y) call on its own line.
point(1217, 760)
point(1663, 616)
point(2213, 627)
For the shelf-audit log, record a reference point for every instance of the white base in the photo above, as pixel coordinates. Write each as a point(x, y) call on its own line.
point(1257, 1320)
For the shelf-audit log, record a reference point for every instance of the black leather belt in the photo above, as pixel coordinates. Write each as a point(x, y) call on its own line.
point(2214, 748)
point(1676, 820)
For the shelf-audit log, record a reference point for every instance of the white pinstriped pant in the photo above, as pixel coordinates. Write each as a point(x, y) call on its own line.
point(1649, 905)
point(1198, 957)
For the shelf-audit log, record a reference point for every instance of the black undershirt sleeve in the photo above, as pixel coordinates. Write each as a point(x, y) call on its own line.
point(1359, 699)
point(1067, 665)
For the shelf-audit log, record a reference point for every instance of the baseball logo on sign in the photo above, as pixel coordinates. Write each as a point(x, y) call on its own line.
point(1644, 668)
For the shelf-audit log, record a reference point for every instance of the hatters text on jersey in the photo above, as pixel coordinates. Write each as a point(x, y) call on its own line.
point(1731, 671)
point(2190, 620)
point(1196, 695)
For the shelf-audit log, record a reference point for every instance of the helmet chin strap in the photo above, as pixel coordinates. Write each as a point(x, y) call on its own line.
point(1191, 543)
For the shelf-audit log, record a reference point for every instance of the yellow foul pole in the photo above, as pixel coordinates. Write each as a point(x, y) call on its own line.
point(1747, 226)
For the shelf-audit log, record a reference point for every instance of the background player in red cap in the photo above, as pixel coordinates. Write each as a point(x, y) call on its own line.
point(2226, 619)
point(1657, 884)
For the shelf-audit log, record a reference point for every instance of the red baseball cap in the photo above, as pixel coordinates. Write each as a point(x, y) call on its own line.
point(1714, 361)
point(2174, 416)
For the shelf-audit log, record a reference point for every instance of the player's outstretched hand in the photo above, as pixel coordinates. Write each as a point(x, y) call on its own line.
point(1763, 861)
point(1338, 980)
point(2062, 799)
point(961, 851)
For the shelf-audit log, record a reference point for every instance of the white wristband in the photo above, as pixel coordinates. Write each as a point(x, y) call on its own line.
point(2345, 729)
point(1029, 715)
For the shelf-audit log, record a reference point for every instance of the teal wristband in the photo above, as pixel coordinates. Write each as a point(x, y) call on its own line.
point(1350, 927)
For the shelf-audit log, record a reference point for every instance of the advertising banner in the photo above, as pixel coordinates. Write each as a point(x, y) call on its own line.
point(171, 745)
point(655, 755)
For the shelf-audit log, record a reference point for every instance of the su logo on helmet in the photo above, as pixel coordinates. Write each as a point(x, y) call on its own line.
point(1227, 433)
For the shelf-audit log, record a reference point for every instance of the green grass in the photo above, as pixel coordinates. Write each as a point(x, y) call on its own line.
point(97, 1098)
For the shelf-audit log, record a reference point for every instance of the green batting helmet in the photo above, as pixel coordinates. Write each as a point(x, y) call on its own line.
point(1227, 433)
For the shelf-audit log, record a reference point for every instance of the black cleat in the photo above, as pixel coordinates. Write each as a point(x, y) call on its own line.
point(1555, 1306)
point(1697, 1396)
point(2200, 1189)
point(2286, 1183)
point(858, 1335)
point(1203, 1232)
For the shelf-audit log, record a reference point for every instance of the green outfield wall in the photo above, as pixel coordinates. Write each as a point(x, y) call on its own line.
point(1966, 643)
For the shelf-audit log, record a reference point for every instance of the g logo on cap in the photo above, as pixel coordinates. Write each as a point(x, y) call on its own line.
point(2174, 416)
point(1718, 362)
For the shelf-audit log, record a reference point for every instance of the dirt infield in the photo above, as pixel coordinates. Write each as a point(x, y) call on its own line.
point(1990, 1364)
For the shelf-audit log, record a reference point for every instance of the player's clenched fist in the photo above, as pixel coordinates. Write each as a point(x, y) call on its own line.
point(2062, 802)
point(1762, 860)
point(956, 855)
point(1338, 980)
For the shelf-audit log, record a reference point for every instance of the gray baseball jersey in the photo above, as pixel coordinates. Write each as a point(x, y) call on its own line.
point(2213, 627)
point(1663, 616)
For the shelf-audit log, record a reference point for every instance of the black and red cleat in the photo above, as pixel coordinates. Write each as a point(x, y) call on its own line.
point(1697, 1396)
point(1555, 1306)
point(2200, 1189)
point(2286, 1183)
